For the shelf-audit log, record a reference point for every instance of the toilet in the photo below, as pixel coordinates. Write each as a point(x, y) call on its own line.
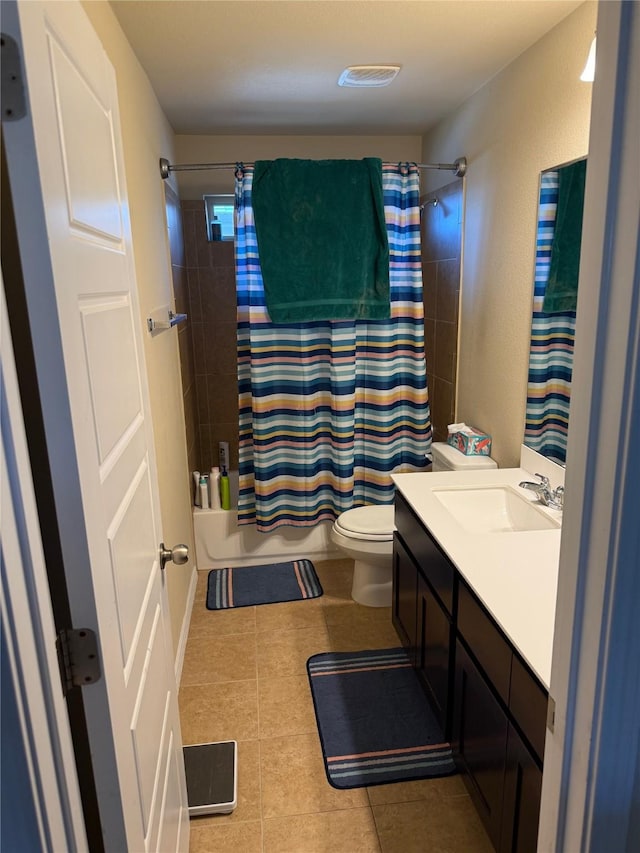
point(366, 533)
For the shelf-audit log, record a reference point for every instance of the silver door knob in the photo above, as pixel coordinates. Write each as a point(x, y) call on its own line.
point(179, 554)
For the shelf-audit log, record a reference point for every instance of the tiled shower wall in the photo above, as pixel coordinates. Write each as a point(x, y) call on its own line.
point(212, 314)
point(441, 250)
point(185, 337)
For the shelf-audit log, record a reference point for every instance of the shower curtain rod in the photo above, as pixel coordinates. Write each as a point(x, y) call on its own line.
point(459, 166)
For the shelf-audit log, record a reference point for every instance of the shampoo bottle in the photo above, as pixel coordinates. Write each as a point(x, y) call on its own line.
point(223, 455)
point(225, 494)
point(196, 488)
point(204, 492)
point(214, 489)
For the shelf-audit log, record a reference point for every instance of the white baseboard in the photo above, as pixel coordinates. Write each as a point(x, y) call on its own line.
point(184, 633)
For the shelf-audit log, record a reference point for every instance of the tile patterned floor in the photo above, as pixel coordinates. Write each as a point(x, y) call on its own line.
point(244, 678)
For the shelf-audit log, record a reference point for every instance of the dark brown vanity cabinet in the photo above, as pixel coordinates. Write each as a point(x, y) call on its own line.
point(488, 702)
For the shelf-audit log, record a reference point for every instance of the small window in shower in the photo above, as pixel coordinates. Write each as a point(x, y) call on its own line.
point(219, 213)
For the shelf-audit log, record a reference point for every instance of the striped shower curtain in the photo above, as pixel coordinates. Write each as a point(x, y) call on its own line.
point(552, 338)
point(330, 409)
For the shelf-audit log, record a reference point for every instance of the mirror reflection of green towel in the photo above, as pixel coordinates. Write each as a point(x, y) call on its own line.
point(561, 292)
point(322, 239)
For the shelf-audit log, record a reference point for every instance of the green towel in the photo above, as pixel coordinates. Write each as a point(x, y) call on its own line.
point(322, 239)
point(561, 293)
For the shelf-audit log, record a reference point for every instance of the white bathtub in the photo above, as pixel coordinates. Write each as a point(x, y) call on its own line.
point(220, 542)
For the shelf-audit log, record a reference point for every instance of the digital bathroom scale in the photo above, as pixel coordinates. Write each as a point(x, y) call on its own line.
point(212, 777)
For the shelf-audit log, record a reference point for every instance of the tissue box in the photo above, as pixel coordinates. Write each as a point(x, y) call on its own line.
point(472, 443)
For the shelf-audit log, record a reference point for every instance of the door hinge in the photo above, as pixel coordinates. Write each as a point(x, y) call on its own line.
point(78, 658)
point(551, 713)
point(14, 103)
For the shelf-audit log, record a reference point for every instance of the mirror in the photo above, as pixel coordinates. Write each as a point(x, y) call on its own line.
point(557, 257)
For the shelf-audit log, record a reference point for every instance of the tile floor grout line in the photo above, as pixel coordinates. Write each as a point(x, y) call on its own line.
point(261, 797)
point(375, 823)
point(257, 679)
point(262, 832)
point(217, 682)
point(212, 631)
point(321, 812)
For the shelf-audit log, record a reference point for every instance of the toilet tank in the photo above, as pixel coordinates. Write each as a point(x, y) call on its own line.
point(447, 458)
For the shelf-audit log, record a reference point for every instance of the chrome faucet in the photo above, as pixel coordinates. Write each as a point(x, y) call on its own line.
point(553, 498)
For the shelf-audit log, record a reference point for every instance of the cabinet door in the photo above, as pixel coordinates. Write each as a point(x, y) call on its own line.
point(521, 806)
point(403, 614)
point(479, 741)
point(433, 647)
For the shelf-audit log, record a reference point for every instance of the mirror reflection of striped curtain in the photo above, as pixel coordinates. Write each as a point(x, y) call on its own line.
point(330, 409)
point(552, 338)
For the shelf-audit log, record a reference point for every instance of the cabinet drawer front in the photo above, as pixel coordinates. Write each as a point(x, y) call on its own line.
point(487, 644)
point(430, 560)
point(528, 705)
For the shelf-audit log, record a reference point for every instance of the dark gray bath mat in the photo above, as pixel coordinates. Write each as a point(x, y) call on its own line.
point(267, 584)
point(374, 720)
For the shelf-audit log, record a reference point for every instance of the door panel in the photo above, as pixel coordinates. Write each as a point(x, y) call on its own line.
point(110, 350)
point(86, 142)
point(171, 808)
point(134, 557)
point(149, 723)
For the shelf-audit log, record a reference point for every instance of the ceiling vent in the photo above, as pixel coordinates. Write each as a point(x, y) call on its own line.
point(368, 75)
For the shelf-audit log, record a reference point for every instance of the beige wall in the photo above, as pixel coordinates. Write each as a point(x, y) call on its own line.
point(531, 116)
point(147, 136)
point(231, 149)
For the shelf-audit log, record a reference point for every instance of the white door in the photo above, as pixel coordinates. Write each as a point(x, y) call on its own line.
point(118, 591)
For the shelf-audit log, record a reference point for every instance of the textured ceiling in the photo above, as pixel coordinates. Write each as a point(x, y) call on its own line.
point(271, 66)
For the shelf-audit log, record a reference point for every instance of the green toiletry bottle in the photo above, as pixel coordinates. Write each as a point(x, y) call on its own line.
point(225, 494)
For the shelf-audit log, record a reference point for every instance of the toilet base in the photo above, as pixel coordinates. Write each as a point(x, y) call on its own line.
point(372, 583)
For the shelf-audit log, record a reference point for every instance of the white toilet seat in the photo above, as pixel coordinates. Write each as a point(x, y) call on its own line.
point(367, 523)
point(366, 535)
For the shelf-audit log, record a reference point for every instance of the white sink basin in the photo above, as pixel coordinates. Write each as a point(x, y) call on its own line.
point(494, 509)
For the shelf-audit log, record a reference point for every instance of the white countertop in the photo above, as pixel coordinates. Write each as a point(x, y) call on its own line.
point(514, 574)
